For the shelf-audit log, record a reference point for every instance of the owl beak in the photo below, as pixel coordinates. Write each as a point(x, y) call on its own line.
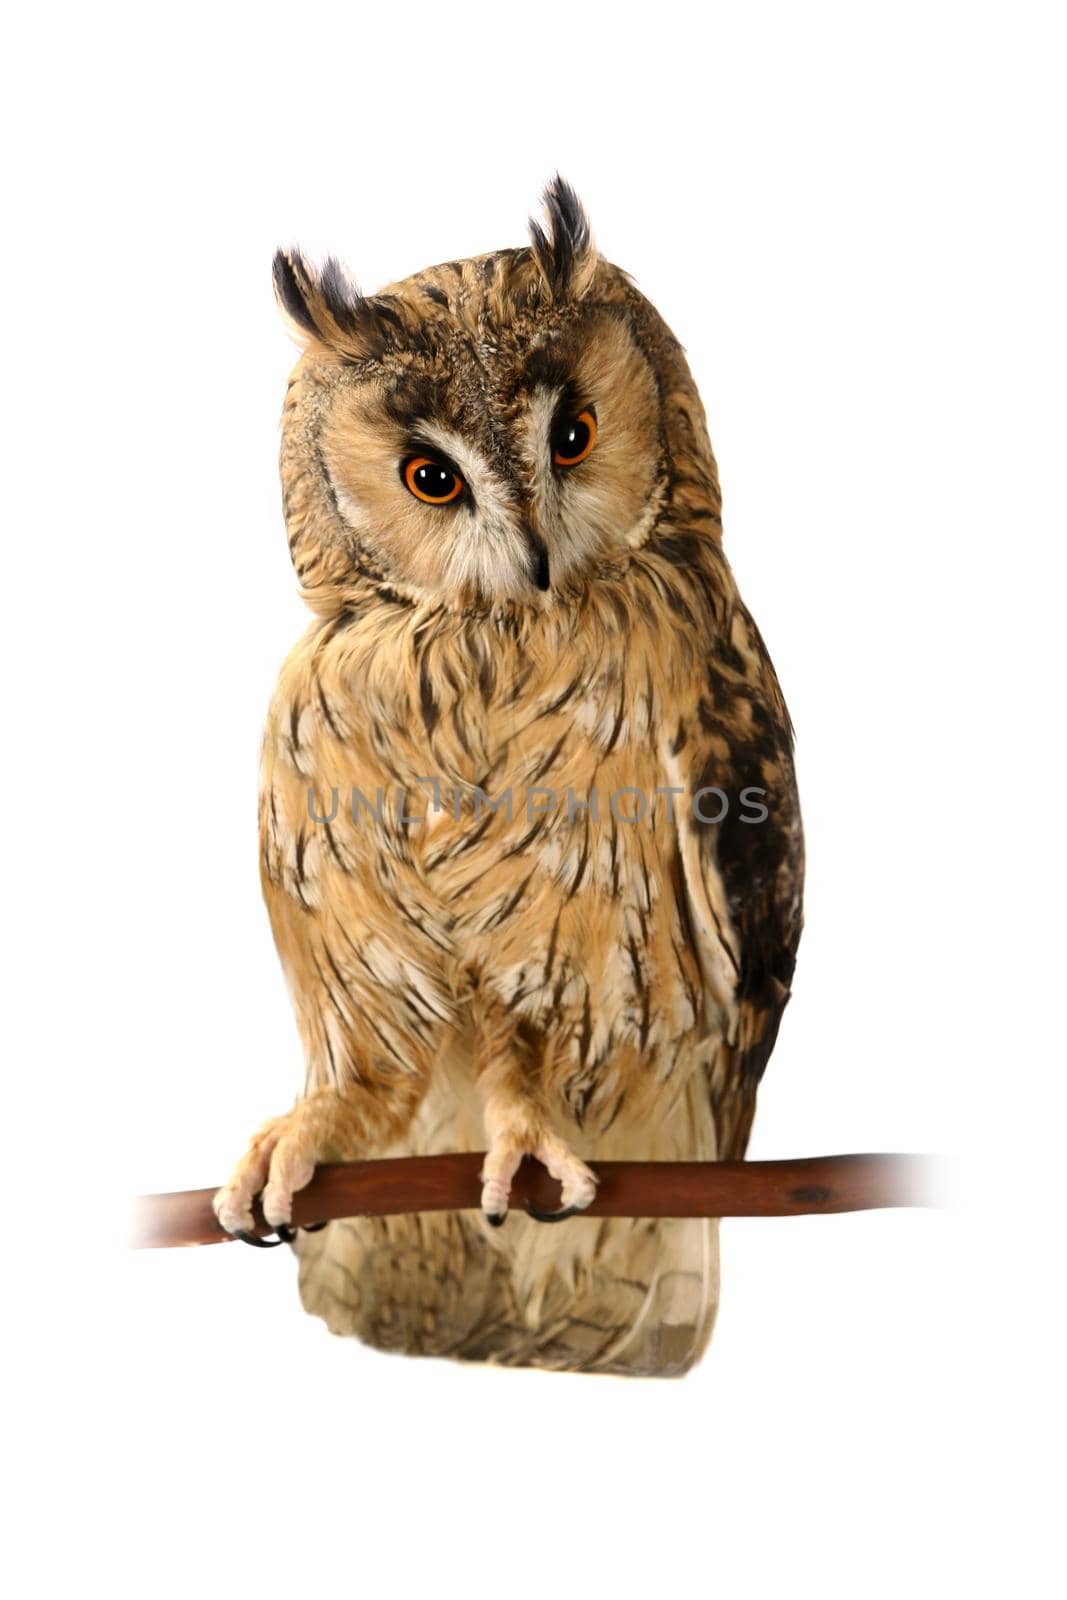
point(538, 558)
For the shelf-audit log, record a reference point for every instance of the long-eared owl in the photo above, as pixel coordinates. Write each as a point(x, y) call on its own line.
point(530, 838)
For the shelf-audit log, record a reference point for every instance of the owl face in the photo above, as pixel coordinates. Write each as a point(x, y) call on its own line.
point(487, 431)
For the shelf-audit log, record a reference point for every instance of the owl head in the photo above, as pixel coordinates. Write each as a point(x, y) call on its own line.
point(493, 432)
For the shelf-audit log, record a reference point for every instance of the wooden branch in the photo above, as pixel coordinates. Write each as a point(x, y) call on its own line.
point(816, 1184)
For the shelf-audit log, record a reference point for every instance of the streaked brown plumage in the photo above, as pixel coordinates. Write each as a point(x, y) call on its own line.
point(550, 981)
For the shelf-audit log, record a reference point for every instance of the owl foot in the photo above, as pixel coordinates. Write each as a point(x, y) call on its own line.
point(577, 1182)
point(280, 1160)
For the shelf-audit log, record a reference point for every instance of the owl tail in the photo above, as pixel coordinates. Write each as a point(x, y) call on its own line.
point(615, 1295)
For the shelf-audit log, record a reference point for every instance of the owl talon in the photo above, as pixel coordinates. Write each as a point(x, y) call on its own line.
point(282, 1235)
point(552, 1216)
point(254, 1239)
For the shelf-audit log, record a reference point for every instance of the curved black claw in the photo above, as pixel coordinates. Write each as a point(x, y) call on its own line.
point(552, 1216)
point(282, 1235)
point(313, 1227)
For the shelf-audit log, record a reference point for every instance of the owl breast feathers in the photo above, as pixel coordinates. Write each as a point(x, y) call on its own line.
point(531, 845)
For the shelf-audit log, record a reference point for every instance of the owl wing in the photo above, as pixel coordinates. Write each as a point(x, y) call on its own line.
point(744, 873)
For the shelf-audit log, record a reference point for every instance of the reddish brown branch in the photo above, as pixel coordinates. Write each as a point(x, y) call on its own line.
point(627, 1189)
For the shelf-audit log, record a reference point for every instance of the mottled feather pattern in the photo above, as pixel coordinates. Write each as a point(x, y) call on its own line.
point(572, 978)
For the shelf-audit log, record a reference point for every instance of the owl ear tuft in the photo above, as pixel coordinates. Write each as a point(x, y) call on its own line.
point(294, 290)
point(565, 254)
point(324, 307)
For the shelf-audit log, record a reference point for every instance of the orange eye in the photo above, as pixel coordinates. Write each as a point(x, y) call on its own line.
point(431, 481)
point(573, 439)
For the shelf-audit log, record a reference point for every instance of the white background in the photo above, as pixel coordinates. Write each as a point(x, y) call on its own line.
point(850, 215)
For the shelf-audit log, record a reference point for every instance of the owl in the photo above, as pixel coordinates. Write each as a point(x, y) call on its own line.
point(530, 840)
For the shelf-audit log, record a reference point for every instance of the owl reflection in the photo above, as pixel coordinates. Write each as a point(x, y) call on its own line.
point(510, 916)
